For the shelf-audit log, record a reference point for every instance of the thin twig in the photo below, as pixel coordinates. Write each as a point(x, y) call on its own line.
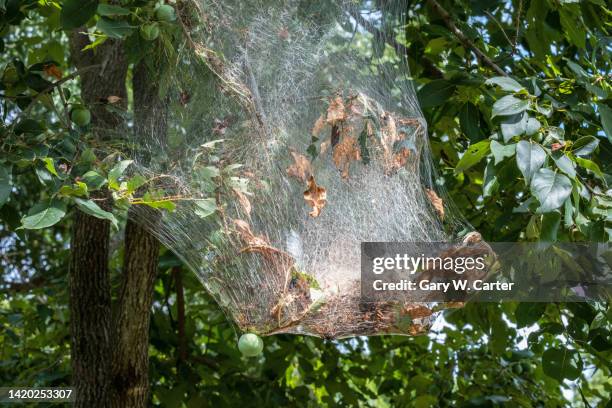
point(448, 20)
point(518, 25)
point(492, 17)
point(55, 85)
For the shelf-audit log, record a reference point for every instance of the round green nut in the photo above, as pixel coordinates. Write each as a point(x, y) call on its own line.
point(149, 32)
point(165, 12)
point(250, 345)
point(80, 116)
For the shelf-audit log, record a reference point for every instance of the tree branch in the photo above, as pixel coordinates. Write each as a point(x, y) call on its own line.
point(448, 20)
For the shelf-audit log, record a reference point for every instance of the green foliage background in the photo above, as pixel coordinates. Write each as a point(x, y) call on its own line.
point(526, 156)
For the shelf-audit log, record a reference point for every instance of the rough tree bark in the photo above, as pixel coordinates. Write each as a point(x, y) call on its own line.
point(90, 289)
point(131, 358)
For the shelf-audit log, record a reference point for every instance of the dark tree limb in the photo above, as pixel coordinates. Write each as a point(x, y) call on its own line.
point(448, 20)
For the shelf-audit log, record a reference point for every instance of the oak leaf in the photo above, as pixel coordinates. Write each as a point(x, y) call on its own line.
point(316, 197)
point(301, 168)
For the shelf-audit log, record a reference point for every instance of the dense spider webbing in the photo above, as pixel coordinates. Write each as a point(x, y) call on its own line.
point(323, 119)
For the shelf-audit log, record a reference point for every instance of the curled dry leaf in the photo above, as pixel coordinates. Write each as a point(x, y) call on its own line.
point(436, 201)
point(257, 243)
point(243, 200)
point(316, 197)
point(318, 126)
point(335, 111)
point(113, 99)
point(416, 311)
point(344, 153)
point(399, 160)
point(301, 169)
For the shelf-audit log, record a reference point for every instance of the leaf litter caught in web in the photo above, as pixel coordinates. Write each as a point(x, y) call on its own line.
point(344, 153)
point(316, 197)
point(436, 201)
point(335, 111)
point(301, 168)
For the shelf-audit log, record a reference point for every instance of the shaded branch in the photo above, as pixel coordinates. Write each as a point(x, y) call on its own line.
point(448, 20)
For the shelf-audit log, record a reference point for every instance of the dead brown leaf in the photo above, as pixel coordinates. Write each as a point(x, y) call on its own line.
point(436, 201)
point(316, 197)
point(53, 70)
point(113, 99)
point(417, 311)
point(301, 169)
point(243, 200)
point(318, 126)
point(344, 153)
point(335, 111)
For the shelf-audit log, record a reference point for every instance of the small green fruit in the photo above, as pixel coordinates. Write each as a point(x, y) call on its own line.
point(250, 345)
point(149, 31)
point(81, 116)
point(165, 12)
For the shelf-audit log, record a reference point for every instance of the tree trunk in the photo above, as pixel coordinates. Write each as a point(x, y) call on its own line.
point(90, 311)
point(131, 359)
point(90, 296)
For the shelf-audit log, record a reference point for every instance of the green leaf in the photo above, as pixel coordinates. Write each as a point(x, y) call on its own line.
point(561, 363)
point(135, 182)
point(529, 158)
point(551, 189)
point(590, 165)
point(44, 215)
point(519, 124)
point(578, 70)
point(505, 83)
point(528, 313)
point(79, 189)
point(93, 209)
point(573, 28)
point(76, 13)
point(93, 180)
point(5, 183)
point(606, 119)
point(50, 166)
point(585, 145)
point(550, 226)
point(205, 207)
point(116, 172)
point(469, 118)
point(114, 28)
point(501, 151)
point(565, 164)
point(509, 105)
point(435, 93)
point(474, 154)
point(112, 10)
